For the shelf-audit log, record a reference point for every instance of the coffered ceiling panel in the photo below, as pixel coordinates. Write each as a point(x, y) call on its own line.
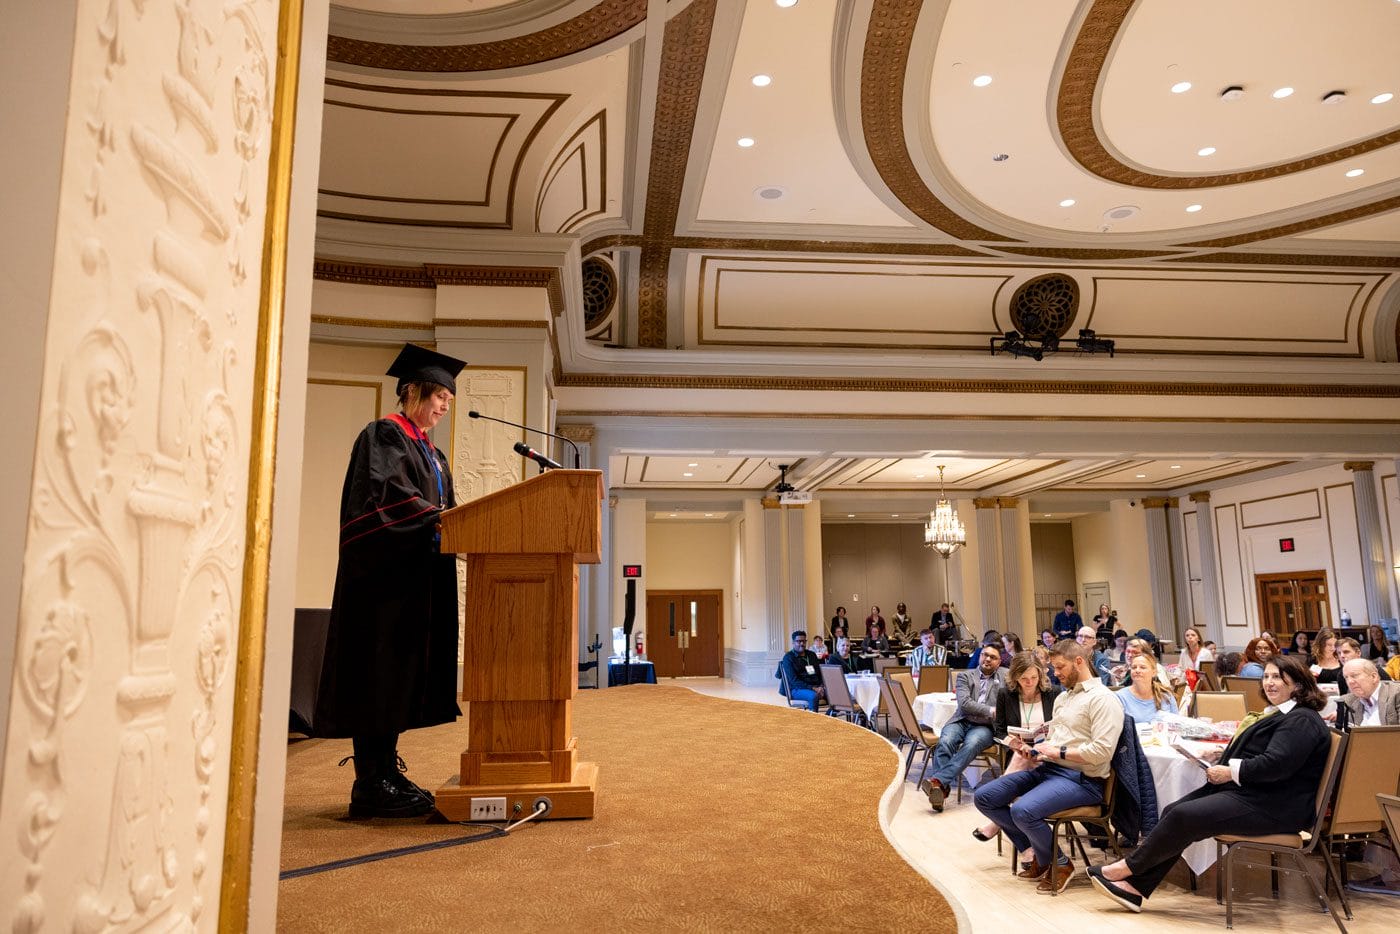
point(922, 473)
point(697, 472)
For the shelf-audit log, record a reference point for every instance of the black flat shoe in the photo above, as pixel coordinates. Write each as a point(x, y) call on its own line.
point(1129, 900)
point(977, 832)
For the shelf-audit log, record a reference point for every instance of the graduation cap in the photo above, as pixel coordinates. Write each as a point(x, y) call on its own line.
point(420, 363)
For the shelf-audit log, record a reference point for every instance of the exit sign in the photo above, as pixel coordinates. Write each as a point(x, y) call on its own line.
point(635, 570)
point(1285, 544)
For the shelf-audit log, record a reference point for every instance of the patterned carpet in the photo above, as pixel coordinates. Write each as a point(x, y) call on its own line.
point(712, 815)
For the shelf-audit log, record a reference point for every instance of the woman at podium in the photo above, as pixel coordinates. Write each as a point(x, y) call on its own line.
point(391, 649)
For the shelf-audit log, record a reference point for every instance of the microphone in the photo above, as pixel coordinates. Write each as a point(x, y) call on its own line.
point(524, 450)
point(539, 431)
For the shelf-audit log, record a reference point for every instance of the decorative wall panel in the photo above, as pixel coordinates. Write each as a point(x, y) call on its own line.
point(116, 767)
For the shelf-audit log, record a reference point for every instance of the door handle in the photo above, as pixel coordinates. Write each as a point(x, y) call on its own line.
point(671, 607)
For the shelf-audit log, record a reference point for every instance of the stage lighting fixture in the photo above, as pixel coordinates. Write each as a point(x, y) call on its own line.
point(1089, 342)
point(1013, 343)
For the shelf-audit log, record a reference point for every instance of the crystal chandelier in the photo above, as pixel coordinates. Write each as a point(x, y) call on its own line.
point(944, 531)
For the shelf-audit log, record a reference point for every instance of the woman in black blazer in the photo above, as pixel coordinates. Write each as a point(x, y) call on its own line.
point(1268, 784)
point(1027, 688)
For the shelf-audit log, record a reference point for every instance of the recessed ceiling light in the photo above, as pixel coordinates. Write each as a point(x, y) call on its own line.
point(1141, 476)
point(1181, 87)
point(1192, 208)
point(1176, 466)
point(850, 515)
point(1382, 98)
point(709, 515)
point(673, 515)
point(981, 81)
point(687, 474)
point(1203, 151)
point(785, 3)
point(918, 476)
point(894, 515)
point(745, 142)
point(693, 464)
point(1281, 93)
point(761, 81)
point(770, 192)
point(1047, 515)
point(1067, 203)
point(1353, 173)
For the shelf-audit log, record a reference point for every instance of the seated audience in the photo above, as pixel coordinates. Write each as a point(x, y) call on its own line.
point(1326, 667)
point(1042, 658)
point(840, 620)
point(1027, 702)
point(1121, 674)
point(943, 625)
point(1256, 653)
point(1071, 770)
point(1267, 784)
point(1066, 622)
point(874, 627)
point(1369, 701)
point(990, 637)
point(1047, 638)
point(1117, 653)
point(1229, 664)
point(1377, 647)
point(1010, 647)
point(1146, 698)
point(1392, 668)
point(842, 656)
point(1211, 645)
point(1347, 649)
point(901, 626)
point(1301, 646)
point(800, 665)
point(1195, 651)
point(970, 730)
point(928, 652)
point(819, 648)
point(1098, 661)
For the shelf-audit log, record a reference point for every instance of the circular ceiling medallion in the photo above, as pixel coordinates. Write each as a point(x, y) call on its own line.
point(1045, 306)
point(599, 290)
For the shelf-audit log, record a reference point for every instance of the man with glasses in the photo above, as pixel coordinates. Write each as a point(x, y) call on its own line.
point(970, 730)
point(803, 672)
point(1099, 663)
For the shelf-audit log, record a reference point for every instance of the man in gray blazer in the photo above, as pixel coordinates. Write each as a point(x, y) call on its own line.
point(1369, 700)
point(970, 730)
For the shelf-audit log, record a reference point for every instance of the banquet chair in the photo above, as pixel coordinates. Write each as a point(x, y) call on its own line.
point(1251, 688)
point(1207, 671)
point(1221, 705)
point(1100, 815)
point(838, 696)
point(1294, 846)
point(933, 679)
point(908, 726)
point(1370, 768)
point(882, 664)
point(905, 680)
point(787, 692)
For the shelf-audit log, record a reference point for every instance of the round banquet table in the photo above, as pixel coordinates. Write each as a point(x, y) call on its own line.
point(1175, 777)
point(865, 688)
point(934, 710)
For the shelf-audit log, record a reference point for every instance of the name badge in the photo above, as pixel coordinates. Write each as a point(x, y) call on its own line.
point(811, 670)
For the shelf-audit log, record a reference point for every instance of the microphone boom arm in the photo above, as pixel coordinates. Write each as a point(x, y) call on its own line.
point(539, 431)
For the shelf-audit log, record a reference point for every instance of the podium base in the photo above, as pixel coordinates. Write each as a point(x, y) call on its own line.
point(571, 799)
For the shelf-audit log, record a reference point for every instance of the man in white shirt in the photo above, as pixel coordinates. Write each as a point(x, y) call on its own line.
point(928, 652)
point(1073, 763)
point(1370, 701)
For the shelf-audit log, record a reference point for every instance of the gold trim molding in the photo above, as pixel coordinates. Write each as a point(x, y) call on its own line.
point(984, 502)
point(1007, 502)
point(580, 434)
point(1358, 465)
point(1154, 502)
point(596, 25)
point(432, 275)
point(1200, 496)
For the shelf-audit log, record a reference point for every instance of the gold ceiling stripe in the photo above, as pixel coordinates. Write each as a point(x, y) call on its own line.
point(884, 63)
point(1291, 259)
point(684, 50)
point(431, 275)
point(1326, 220)
point(1027, 387)
point(946, 417)
point(601, 22)
point(1074, 112)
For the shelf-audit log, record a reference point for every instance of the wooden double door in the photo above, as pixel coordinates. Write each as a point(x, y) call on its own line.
point(1293, 602)
point(685, 633)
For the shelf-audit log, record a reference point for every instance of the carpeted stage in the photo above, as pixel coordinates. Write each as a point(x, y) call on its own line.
point(712, 815)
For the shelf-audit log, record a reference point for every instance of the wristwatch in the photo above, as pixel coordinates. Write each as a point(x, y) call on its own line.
point(1062, 752)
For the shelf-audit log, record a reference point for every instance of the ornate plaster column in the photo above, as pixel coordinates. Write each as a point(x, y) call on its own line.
point(1159, 565)
point(988, 564)
point(1181, 583)
point(1210, 570)
point(1013, 571)
point(1375, 575)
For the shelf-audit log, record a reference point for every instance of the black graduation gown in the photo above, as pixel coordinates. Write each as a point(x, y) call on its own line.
point(391, 649)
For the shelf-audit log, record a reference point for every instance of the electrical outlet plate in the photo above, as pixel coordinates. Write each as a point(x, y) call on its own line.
point(488, 809)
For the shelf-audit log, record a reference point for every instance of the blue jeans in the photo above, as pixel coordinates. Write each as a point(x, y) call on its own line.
point(808, 695)
point(1019, 803)
point(958, 744)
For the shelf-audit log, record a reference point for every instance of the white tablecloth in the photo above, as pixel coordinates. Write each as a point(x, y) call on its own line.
point(865, 688)
point(1175, 777)
point(934, 710)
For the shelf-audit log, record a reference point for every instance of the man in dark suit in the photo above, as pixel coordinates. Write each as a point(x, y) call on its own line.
point(970, 730)
point(803, 672)
point(943, 625)
point(1265, 781)
point(1369, 700)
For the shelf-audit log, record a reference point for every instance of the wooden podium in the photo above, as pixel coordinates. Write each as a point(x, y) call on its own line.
point(523, 546)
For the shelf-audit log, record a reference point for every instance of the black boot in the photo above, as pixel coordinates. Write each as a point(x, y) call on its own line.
point(375, 793)
point(397, 770)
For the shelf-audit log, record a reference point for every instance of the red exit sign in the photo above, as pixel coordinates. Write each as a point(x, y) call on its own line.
point(1285, 544)
point(635, 570)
